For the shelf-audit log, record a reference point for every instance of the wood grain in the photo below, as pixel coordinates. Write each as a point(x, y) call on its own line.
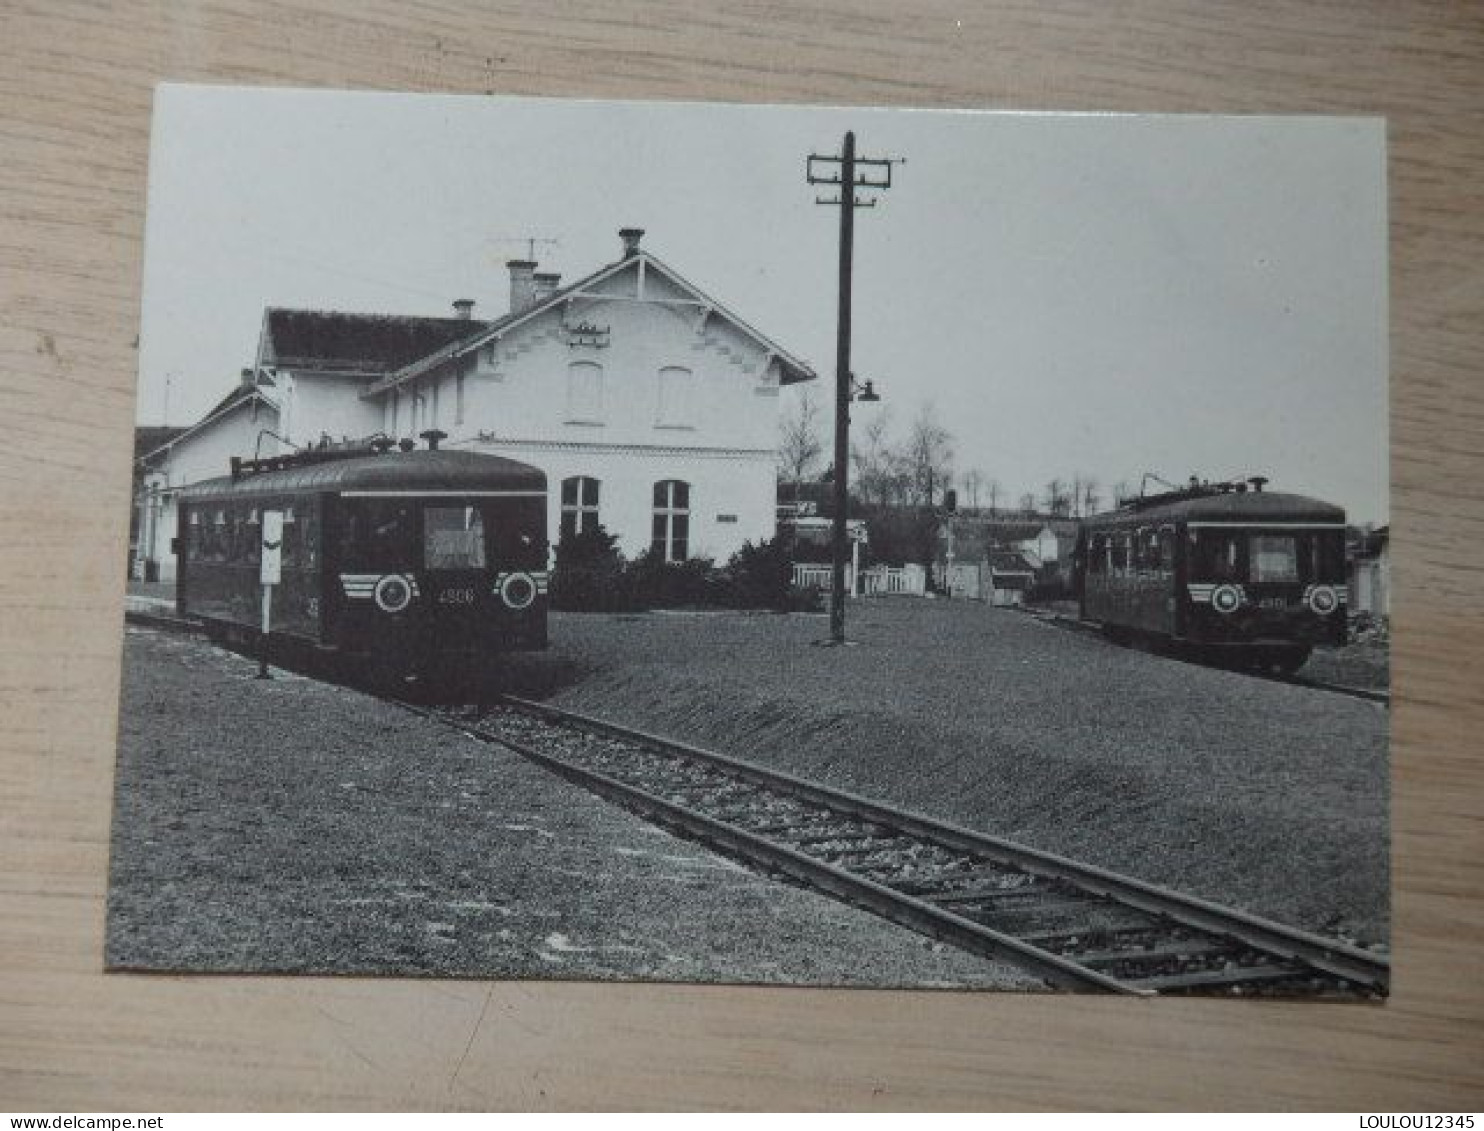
point(75, 89)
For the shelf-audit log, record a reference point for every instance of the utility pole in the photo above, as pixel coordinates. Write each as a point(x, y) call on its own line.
point(850, 173)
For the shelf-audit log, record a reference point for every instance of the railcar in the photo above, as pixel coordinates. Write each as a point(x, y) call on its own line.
point(1228, 573)
point(411, 562)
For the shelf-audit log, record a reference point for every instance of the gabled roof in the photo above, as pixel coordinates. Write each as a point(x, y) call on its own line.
point(1009, 562)
point(793, 369)
point(241, 395)
point(151, 437)
point(331, 341)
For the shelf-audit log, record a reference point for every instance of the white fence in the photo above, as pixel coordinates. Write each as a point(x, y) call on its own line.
point(878, 581)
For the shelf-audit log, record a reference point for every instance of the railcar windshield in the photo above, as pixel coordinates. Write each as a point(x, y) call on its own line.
point(1267, 556)
point(453, 538)
point(412, 533)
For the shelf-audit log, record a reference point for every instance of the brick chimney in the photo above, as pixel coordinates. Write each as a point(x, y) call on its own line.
point(249, 377)
point(631, 238)
point(522, 285)
point(463, 308)
point(546, 282)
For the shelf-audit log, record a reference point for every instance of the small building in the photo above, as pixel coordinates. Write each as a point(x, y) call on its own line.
point(242, 423)
point(965, 544)
point(650, 406)
point(1010, 576)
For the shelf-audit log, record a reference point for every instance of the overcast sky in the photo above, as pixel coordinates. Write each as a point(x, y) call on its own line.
point(1109, 294)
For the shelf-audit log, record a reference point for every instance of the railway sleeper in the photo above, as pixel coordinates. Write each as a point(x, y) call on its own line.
point(1227, 976)
point(1178, 949)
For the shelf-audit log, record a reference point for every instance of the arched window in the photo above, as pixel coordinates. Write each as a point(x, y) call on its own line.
point(584, 393)
point(670, 534)
point(674, 407)
point(579, 505)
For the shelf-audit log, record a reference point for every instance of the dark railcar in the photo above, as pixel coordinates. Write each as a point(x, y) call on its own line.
point(1250, 577)
point(406, 560)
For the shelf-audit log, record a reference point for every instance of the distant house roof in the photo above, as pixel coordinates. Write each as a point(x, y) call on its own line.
point(1006, 563)
point(329, 341)
point(151, 437)
point(477, 335)
point(241, 395)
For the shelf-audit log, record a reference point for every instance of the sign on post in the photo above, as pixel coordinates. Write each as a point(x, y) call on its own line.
point(270, 575)
point(272, 547)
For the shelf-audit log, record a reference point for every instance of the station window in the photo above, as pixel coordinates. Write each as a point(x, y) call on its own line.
point(670, 534)
point(579, 504)
point(1119, 557)
point(674, 407)
point(584, 393)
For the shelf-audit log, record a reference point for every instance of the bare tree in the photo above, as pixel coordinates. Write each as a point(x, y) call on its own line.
point(876, 466)
point(799, 445)
point(1056, 499)
point(1091, 500)
point(992, 496)
point(1074, 493)
point(928, 456)
point(1028, 504)
point(1122, 492)
point(973, 482)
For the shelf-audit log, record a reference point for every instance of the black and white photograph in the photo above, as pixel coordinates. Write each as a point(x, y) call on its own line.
point(708, 543)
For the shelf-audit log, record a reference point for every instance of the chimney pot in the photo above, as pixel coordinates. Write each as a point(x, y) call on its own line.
point(631, 238)
point(522, 284)
point(463, 308)
point(249, 378)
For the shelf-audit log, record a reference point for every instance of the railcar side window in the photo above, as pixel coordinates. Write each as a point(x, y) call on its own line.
point(1120, 552)
point(1097, 553)
point(1167, 547)
point(453, 538)
point(1275, 557)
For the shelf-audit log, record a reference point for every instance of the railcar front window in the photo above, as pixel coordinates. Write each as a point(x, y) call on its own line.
point(378, 534)
point(1219, 556)
point(1275, 557)
point(453, 538)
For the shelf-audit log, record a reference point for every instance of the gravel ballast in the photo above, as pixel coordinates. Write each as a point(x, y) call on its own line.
point(1249, 792)
point(295, 826)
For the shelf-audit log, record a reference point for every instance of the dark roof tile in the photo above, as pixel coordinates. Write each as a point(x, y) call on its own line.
point(308, 341)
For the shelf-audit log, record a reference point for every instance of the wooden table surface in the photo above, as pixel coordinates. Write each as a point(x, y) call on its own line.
point(75, 86)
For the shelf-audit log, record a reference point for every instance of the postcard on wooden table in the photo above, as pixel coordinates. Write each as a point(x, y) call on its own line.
point(710, 543)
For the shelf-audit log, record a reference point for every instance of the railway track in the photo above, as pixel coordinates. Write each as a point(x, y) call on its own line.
point(1075, 925)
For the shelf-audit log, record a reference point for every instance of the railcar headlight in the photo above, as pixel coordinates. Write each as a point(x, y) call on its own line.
point(518, 590)
point(393, 593)
point(1226, 599)
point(1323, 600)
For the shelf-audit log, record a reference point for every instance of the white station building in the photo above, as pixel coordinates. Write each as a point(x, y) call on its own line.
point(651, 407)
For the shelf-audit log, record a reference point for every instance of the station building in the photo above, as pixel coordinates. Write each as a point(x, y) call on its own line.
point(651, 407)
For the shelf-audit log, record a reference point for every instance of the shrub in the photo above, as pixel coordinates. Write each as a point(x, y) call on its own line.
point(653, 583)
point(761, 576)
point(589, 573)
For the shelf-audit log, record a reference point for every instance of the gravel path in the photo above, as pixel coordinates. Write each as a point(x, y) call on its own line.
point(295, 826)
point(1249, 792)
